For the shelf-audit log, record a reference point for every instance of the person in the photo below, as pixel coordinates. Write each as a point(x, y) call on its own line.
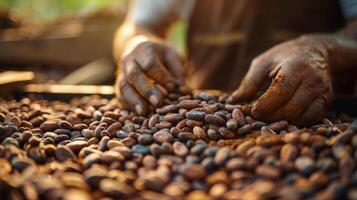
point(298, 45)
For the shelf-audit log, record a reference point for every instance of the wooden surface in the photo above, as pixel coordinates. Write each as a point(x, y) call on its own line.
point(77, 46)
point(68, 89)
point(11, 80)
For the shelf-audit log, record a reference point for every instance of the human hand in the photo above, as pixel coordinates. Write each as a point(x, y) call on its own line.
point(300, 90)
point(145, 66)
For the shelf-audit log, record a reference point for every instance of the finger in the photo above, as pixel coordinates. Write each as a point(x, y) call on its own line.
point(151, 64)
point(130, 97)
point(175, 65)
point(118, 93)
point(313, 113)
point(296, 105)
point(281, 89)
point(142, 83)
point(253, 80)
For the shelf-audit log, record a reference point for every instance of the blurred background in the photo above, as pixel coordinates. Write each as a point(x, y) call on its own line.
point(64, 41)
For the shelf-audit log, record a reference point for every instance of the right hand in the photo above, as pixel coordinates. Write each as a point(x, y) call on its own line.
point(300, 89)
point(142, 67)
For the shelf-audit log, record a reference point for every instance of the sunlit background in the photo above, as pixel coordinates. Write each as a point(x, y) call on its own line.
point(65, 41)
point(47, 10)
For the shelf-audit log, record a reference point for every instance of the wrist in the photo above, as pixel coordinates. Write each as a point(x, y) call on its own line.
point(132, 43)
point(127, 37)
point(321, 45)
point(318, 42)
point(136, 40)
point(340, 51)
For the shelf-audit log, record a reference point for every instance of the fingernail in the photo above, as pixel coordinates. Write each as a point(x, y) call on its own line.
point(154, 100)
point(139, 109)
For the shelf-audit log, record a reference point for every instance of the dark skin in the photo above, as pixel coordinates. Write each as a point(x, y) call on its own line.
point(299, 70)
point(300, 89)
point(148, 66)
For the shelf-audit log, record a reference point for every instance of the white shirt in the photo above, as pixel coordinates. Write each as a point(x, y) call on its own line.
point(151, 12)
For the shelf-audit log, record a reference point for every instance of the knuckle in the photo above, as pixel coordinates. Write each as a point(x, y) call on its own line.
point(146, 45)
point(296, 63)
point(257, 62)
point(144, 50)
point(285, 88)
point(317, 78)
point(133, 74)
point(263, 59)
point(149, 62)
point(149, 51)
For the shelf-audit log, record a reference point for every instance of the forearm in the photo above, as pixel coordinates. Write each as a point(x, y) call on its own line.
point(342, 48)
point(125, 36)
point(339, 48)
point(146, 20)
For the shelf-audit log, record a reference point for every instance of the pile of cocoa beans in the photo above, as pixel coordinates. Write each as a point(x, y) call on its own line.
point(195, 147)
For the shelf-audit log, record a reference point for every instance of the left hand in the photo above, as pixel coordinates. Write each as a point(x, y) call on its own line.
point(301, 87)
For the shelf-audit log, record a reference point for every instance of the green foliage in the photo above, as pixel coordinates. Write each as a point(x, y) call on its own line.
point(50, 9)
point(177, 36)
point(46, 10)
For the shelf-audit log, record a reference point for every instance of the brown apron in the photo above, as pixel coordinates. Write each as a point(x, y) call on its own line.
point(225, 35)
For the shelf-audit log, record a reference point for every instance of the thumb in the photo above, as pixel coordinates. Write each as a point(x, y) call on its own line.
point(252, 81)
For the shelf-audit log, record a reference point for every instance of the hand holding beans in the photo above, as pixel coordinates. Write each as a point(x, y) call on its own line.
point(146, 72)
point(300, 90)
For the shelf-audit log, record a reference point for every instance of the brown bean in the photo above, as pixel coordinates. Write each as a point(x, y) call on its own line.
point(76, 146)
point(288, 153)
point(49, 126)
point(192, 171)
point(238, 115)
point(92, 147)
point(215, 120)
point(154, 119)
point(199, 133)
point(279, 125)
point(180, 149)
point(163, 136)
point(64, 153)
point(189, 104)
point(173, 118)
point(113, 128)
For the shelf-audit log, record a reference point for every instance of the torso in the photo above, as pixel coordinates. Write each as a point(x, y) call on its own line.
point(225, 35)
